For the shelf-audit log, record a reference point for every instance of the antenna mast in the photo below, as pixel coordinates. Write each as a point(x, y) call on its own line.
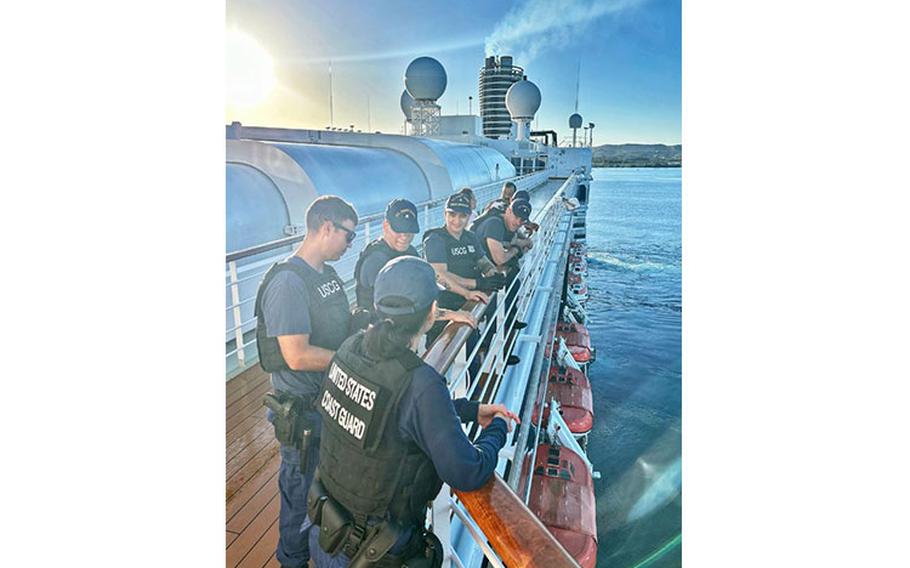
point(577, 83)
point(331, 92)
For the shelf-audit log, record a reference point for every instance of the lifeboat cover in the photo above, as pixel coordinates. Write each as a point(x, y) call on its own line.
point(562, 497)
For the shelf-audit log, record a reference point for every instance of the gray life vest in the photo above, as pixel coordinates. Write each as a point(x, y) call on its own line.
point(330, 313)
point(364, 463)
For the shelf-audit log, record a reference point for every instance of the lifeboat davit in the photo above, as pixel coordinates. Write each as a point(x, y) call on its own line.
point(562, 497)
point(572, 390)
point(578, 340)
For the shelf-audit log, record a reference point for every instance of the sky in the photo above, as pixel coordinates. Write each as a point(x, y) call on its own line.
point(279, 51)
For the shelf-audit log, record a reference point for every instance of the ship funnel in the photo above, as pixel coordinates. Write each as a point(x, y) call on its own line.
point(523, 100)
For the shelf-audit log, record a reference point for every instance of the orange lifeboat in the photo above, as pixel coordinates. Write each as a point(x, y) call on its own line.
point(562, 497)
point(578, 287)
point(572, 390)
point(578, 340)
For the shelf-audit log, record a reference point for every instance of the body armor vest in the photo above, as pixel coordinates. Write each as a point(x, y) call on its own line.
point(379, 246)
point(330, 315)
point(364, 463)
point(496, 209)
point(461, 259)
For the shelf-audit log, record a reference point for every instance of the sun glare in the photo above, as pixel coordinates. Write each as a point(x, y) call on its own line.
point(250, 76)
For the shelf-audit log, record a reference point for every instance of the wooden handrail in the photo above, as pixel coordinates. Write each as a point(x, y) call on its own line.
point(443, 351)
point(515, 533)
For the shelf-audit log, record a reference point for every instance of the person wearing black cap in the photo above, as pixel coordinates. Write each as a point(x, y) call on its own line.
point(508, 192)
point(457, 256)
point(392, 435)
point(303, 316)
point(497, 227)
point(398, 230)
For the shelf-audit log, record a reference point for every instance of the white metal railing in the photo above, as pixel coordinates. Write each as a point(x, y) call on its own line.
point(451, 522)
point(244, 269)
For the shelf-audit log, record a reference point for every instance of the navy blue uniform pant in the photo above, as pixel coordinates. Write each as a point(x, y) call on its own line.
point(293, 525)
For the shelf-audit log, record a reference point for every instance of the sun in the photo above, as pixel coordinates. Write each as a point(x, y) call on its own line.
point(249, 71)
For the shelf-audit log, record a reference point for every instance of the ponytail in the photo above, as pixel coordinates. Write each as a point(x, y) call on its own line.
point(392, 335)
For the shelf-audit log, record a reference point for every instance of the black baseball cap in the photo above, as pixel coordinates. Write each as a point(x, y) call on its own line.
point(402, 216)
point(405, 285)
point(521, 208)
point(459, 203)
point(521, 194)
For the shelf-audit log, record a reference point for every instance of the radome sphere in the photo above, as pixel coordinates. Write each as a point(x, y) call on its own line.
point(575, 121)
point(523, 99)
point(407, 104)
point(425, 79)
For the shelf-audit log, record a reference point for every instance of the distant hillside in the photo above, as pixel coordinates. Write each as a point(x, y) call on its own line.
point(638, 155)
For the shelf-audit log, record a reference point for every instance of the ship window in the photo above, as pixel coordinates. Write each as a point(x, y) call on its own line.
point(552, 461)
point(538, 470)
point(552, 471)
point(564, 475)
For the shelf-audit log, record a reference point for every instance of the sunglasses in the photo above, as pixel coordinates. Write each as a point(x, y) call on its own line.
point(349, 234)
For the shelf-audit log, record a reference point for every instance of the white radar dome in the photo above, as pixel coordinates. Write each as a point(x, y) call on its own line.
point(407, 104)
point(425, 79)
point(575, 121)
point(523, 99)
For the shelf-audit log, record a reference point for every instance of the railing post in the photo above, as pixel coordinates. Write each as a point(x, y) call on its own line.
point(235, 300)
point(442, 523)
point(366, 233)
point(426, 216)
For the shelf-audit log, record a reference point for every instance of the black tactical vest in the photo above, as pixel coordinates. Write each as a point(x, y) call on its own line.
point(461, 259)
point(477, 226)
point(364, 463)
point(330, 314)
point(379, 246)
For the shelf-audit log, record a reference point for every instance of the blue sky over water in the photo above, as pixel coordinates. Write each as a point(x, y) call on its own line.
point(629, 52)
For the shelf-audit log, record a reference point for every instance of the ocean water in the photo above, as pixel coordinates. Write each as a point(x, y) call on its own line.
point(635, 314)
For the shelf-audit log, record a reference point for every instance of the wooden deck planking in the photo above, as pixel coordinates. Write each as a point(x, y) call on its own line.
point(243, 516)
point(252, 463)
point(255, 379)
point(253, 397)
point(247, 408)
point(246, 438)
point(257, 452)
point(249, 422)
point(238, 551)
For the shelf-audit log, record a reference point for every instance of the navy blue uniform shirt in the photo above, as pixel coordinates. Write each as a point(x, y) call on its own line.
point(429, 417)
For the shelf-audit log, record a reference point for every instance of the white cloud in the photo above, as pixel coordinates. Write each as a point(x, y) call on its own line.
point(537, 25)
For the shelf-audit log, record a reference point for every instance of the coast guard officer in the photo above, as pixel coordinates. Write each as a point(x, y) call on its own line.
point(303, 316)
point(497, 228)
point(398, 230)
point(392, 434)
point(457, 257)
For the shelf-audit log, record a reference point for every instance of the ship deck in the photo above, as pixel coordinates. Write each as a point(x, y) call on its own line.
point(252, 474)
